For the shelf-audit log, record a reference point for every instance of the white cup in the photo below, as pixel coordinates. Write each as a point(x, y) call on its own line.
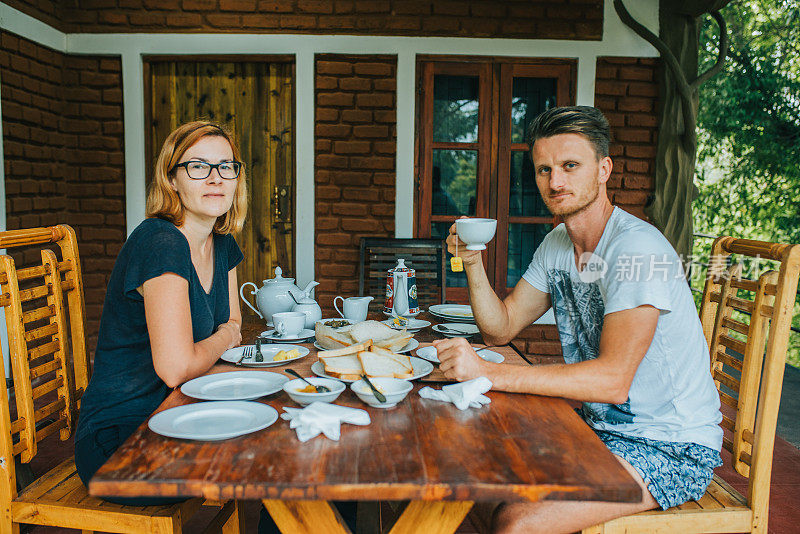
point(354, 309)
point(476, 232)
point(289, 324)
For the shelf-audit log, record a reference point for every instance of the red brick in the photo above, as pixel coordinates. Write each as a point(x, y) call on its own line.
point(374, 100)
point(351, 147)
point(326, 223)
point(440, 24)
point(327, 114)
point(642, 119)
point(200, 5)
point(328, 160)
point(371, 131)
point(356, 115)
point(349, 208)
point(260, 21)
point(331, 23)
point(635, 104)
point(326, 82)
point(642, 89)
point(375, 162)
point(636, 73)
point(635, 151)
point(335, 99)
point(237, 5)
point(403, 23)
point(275, 6)
point(113, 18)
point(630, 197)
point(632, 135)
point(147, 19)
point(327, 193)
point(355, 84)
point(360, 225)
point(372, 6)
point(333, 130)
point(637, 181)
point(637, 165)
point(610, 87)
point(298, 21)
point(315, 6)
point(386, 148)
point(449, 7)
point(219, 20)
point(352, 178)
point(373, 69)
point(367, 195)
point(322, 146)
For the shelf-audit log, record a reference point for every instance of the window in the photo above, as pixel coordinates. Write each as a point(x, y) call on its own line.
point(472, 157)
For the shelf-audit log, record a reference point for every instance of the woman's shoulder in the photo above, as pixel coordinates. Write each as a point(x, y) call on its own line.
point(156, 233)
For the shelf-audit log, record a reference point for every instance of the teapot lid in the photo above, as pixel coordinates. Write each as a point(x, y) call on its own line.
point(278, 278)
point(401, 267)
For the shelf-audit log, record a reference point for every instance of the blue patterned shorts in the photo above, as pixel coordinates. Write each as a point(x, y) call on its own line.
point(674, 472)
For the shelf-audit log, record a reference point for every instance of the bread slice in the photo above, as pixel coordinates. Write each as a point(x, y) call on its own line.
point(345, 367)
point(379, 365)
point(374, 330)
point(395, 343)
point(330, 338)
point(349, 349)
point(402, 359)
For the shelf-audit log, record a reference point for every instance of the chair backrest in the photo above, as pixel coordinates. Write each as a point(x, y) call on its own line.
point(62, 236)
point(747, 325)
point(426, 256)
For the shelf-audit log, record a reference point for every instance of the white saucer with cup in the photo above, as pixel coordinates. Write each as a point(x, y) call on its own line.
point(289, 324)
point(476, 232)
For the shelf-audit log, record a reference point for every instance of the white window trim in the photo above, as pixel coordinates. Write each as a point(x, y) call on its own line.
point(618, 40)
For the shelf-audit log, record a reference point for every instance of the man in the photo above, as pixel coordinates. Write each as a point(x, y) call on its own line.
point(632, 342)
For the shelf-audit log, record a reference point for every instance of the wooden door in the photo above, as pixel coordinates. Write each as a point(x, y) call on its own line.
point(255, 100)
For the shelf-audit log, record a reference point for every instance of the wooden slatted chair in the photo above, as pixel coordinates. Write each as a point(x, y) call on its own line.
point(44, 393)
point(747, 325)
point(427, 256)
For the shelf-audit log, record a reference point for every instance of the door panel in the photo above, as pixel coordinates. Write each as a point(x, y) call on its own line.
point(255, 100)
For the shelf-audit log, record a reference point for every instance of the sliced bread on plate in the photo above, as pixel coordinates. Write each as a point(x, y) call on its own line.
point(331, 338)
point(378, 365)
point(349, 349)
point(402, 359)
point(374, 330)
point(345, 367)
point(397, 342)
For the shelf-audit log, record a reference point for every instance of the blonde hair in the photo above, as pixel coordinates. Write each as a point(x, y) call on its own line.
point(163, 202)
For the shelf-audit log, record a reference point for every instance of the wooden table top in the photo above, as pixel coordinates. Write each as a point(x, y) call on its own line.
point(519, 447)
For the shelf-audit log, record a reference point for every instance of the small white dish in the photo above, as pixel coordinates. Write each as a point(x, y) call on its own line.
point(412, 325)
point(421, 368)
point(465, 329)
point(394, 389)
point(268, 351)
point(234, 385)
point(476, 232)
point(272, 335)
point(293, 387)
point(213, 421)
point(429, 353)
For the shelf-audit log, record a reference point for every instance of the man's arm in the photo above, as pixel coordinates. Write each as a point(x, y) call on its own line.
point(499, 320)
point(624, 341)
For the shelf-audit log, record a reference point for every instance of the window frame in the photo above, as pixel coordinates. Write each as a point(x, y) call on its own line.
point(494, 147)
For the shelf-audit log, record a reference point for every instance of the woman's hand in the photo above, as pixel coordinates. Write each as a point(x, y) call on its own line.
point(233, 329)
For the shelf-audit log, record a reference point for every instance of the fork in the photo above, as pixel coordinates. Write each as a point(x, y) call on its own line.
point(246, 353)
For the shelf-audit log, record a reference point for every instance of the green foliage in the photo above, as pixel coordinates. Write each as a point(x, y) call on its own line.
point(748, 168)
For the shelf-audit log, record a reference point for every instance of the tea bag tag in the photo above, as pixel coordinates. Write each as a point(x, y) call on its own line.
point(456, 265)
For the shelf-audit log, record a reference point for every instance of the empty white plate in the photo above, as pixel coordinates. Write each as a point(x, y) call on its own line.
point(268, 351)
point(453, 312)
point(272, 335)
point(421, 368)
point(212, 421)
point(429, 353)
point(235, 385)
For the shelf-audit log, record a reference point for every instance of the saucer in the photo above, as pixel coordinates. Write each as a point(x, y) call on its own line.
point(271, 335)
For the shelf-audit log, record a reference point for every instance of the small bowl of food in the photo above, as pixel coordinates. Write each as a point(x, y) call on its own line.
point(302, 393)
point(394, 389)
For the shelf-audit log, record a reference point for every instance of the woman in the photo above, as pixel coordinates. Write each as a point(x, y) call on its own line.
point(171, 308)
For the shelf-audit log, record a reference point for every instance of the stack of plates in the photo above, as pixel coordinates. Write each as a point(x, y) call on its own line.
point(457, 313)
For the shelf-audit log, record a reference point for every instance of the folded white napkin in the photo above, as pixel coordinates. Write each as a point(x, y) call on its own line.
point(322, 417)
point(469, 394)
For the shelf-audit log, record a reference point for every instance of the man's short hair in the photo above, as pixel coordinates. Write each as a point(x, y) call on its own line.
point(583, 120)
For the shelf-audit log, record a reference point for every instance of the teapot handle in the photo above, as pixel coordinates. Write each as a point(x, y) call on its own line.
point(255, 290)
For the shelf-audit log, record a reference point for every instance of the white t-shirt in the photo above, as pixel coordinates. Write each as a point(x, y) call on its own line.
point(672, 397)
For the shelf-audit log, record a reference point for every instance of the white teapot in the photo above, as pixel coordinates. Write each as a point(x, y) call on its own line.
point(273, 297)
point(307, 305)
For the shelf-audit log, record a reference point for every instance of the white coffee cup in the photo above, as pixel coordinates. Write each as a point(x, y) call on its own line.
point(289, 324)
point(476, 232)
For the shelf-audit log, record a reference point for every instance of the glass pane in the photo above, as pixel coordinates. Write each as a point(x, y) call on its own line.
point(524, 198)
point(455, 109)
point(529, 97)
point(454, 182)
point(440, 230)
point(523, 240)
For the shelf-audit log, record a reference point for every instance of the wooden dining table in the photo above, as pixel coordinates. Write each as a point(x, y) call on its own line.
point(519, 447)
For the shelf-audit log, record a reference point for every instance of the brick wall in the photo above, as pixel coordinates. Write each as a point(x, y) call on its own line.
point(626, 91)
point(62, 139)
point(540, 19)
point(355, 165)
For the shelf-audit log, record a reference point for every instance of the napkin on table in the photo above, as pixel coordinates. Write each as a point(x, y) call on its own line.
point(469, 394)
point(323, 418)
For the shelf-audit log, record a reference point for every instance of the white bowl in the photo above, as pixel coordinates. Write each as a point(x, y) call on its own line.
point(394, 389)
point(292, 387)
point(476, 232)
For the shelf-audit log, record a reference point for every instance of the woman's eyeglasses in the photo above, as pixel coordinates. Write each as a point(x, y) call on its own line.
point(200, 170)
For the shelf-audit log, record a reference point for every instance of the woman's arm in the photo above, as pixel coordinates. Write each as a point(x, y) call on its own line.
point(176, 357)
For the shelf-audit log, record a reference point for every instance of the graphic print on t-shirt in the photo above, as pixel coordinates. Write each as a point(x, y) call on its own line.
point(579, 312)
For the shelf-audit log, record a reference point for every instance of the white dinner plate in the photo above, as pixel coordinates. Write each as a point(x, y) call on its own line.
point(235, 385)
point(412, 325)
point(467, 329)
point(268, 351)
point(453, 312)
point(406, 315)
point(421, 368)
point(429, 353)
point(273, 336)
point(212, 421)
point(411, 345)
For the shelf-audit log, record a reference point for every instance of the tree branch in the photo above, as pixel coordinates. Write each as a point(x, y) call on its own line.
point(723, 51)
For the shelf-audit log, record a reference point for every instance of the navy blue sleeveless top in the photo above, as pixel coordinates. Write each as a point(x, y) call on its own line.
point(124, 388)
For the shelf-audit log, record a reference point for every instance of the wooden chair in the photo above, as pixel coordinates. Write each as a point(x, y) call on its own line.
point(749, 379)
point(427, 256)
point(44, 394)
